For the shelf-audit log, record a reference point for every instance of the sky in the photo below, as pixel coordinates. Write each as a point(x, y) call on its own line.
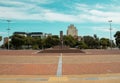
point(51, 16)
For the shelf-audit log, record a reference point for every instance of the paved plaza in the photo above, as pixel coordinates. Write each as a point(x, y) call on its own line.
point(30, 67)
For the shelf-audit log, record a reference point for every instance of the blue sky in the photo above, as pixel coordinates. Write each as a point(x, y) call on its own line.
point(50, 16)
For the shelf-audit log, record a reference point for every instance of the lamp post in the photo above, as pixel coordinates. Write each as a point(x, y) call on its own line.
point(8, 29)
point(110, 21)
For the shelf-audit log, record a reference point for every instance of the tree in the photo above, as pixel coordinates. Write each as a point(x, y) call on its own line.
point(82, 45)
point(56, 40)
point(48, 42)
point(89, 41)
point(18, 41)
point(0, 38)
point(69, 41)
point(28, 41)
point(96, 42)
point(104, 42)
point(35, 42)
point(6, 45)
point(117, 38)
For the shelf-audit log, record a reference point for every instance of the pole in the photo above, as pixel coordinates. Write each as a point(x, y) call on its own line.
point(8, 31)
point(110, 21)
point(61, 39)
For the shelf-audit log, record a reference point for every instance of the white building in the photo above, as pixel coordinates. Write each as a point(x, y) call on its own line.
point(36, 34)
point(72, 31)
point(33, 34)
point(20, 33)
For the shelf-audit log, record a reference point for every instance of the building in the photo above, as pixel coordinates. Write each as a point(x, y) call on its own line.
point(36, 34)
point(72, 31)
point(20, 33)
point(33, 34)
point(47, 34)
point(5, 40)
point(79, 38)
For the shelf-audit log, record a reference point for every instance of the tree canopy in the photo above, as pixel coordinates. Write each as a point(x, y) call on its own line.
point(69, 41)
point(87, 42)
point(117, 38)
point(104, 42)
point(0, 38)
point(18, 41)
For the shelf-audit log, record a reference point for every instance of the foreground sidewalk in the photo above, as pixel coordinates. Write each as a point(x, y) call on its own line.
point(95, 78)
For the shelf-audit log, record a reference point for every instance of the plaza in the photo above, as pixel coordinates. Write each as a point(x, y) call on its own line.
point(30, 66)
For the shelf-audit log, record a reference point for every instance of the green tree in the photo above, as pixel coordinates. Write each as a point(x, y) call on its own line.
point(82, 45)
point(69, 41)
point(0, 38)
point(35, 47)
point(56, 40)
point(117, 38)
point(28, 41)
point(104, 42)
point(18, 41)
point(96, 42)
point(36, 43)
point(43, 45)
point(89, 41)
point(6, 45)
point(48, 42)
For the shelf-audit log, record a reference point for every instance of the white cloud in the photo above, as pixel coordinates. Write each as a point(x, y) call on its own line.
point(104, 29)
point(28, 10)
point(22, 2)
point(3, 33)
point(42, 14)
point(52, 16)
point(42, 1)
point(99, 12)
point(81, 7)
point(9, 2)
point(105, 16)
point(38, 13)
point(99, 6)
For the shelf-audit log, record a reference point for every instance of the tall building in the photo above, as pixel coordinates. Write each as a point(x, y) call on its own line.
point(5, 40)
point(72, 31)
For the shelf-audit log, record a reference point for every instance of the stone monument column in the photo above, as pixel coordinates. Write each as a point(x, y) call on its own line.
point(61, 40)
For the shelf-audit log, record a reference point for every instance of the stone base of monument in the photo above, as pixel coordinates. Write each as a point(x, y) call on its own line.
point(64, 49)
point(61, 51)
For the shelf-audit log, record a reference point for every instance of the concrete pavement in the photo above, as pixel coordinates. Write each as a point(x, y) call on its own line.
point(90, 78)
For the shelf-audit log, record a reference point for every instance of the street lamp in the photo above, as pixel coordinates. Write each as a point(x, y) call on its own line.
point(8, 31)
point(110, 21)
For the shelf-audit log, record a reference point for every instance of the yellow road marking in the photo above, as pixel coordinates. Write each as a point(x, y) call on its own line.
point(58, 79)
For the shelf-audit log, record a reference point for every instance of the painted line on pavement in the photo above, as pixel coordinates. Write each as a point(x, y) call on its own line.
point(97, 78)
point(59, 69)
point(23, 79)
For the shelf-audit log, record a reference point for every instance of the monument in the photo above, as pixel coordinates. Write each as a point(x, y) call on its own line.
point(63, 48)
point(61, 39)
